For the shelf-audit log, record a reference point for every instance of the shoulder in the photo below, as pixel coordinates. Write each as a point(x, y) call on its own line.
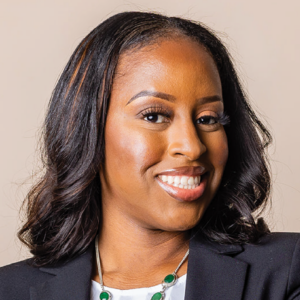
point(274, 251)
point(275, 259)
point(274, 248)
point(274, 238)
point(67, 279)
point(283, 244)
point(270, 267)
point(16, 278)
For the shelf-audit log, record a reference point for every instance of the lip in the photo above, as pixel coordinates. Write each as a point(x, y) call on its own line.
point(184, 171)
point(184, 195)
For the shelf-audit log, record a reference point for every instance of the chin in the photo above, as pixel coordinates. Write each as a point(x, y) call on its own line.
point(183, 225)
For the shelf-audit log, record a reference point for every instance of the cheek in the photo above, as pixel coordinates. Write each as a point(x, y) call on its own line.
point(218, 150)
point(131, 148)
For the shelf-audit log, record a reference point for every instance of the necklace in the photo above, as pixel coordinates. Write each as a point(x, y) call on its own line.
point(168, 281)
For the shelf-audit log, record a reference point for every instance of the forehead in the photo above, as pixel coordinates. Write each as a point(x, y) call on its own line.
point(168, 62)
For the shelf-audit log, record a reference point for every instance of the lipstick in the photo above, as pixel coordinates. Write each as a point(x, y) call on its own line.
point(184, 184)
point(184, 171)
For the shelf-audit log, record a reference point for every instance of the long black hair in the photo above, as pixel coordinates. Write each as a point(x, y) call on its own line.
point(64, 207)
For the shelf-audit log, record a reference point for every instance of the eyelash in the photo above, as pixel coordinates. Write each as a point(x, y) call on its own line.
point(222, 119)
point(156, 110)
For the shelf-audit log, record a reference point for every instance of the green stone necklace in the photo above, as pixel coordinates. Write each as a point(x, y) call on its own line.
point(168, 281)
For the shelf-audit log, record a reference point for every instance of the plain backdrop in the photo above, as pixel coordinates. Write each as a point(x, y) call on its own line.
point(38, 37)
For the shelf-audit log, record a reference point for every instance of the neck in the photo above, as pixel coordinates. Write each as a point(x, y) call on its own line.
point(133, 256)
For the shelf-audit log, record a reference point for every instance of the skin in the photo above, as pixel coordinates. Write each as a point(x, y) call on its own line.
point(145, 231)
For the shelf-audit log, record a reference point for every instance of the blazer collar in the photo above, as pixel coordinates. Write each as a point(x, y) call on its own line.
point(70, 281)
point(199, 241)
point(213, 272)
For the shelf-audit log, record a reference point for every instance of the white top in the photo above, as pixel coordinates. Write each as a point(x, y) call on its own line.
point(175, 292)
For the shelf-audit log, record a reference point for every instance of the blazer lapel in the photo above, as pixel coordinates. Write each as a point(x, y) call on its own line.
point(212, 271)
point(69, 282)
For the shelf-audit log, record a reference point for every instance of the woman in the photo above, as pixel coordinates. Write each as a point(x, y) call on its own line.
point(155, 171)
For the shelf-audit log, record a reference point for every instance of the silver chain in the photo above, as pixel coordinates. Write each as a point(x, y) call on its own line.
point(182, 261)
point(99, 263)
point(98, 260)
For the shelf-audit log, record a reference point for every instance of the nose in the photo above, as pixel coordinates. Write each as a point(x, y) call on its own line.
point(184, 140)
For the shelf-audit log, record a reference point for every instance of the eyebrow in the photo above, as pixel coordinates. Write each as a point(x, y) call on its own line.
point(171, 98)
point(155, 94)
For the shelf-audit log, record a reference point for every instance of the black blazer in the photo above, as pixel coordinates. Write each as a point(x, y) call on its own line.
point(269, 270)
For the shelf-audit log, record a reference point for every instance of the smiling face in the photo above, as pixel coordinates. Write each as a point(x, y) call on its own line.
point(165, 146)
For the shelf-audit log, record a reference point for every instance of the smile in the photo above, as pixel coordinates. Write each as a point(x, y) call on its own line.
point(183, 182)
point(183, 188)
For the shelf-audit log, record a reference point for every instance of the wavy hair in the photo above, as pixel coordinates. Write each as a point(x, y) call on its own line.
point(63, 210)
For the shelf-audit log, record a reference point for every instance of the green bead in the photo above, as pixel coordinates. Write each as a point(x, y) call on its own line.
point(169, 278)
point(104, 296)
point(157, 296)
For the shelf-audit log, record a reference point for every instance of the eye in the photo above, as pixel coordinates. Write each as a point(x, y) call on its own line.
point(208, 120)
point(156, 114)
point(155, 118)
point(212, 122)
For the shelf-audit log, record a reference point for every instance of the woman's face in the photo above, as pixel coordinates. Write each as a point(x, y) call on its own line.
point(165, 147)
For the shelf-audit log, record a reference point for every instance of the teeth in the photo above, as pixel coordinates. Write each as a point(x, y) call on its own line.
point(177, 180)
point(170, 179)
point(183, 182)
point(191, 181)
